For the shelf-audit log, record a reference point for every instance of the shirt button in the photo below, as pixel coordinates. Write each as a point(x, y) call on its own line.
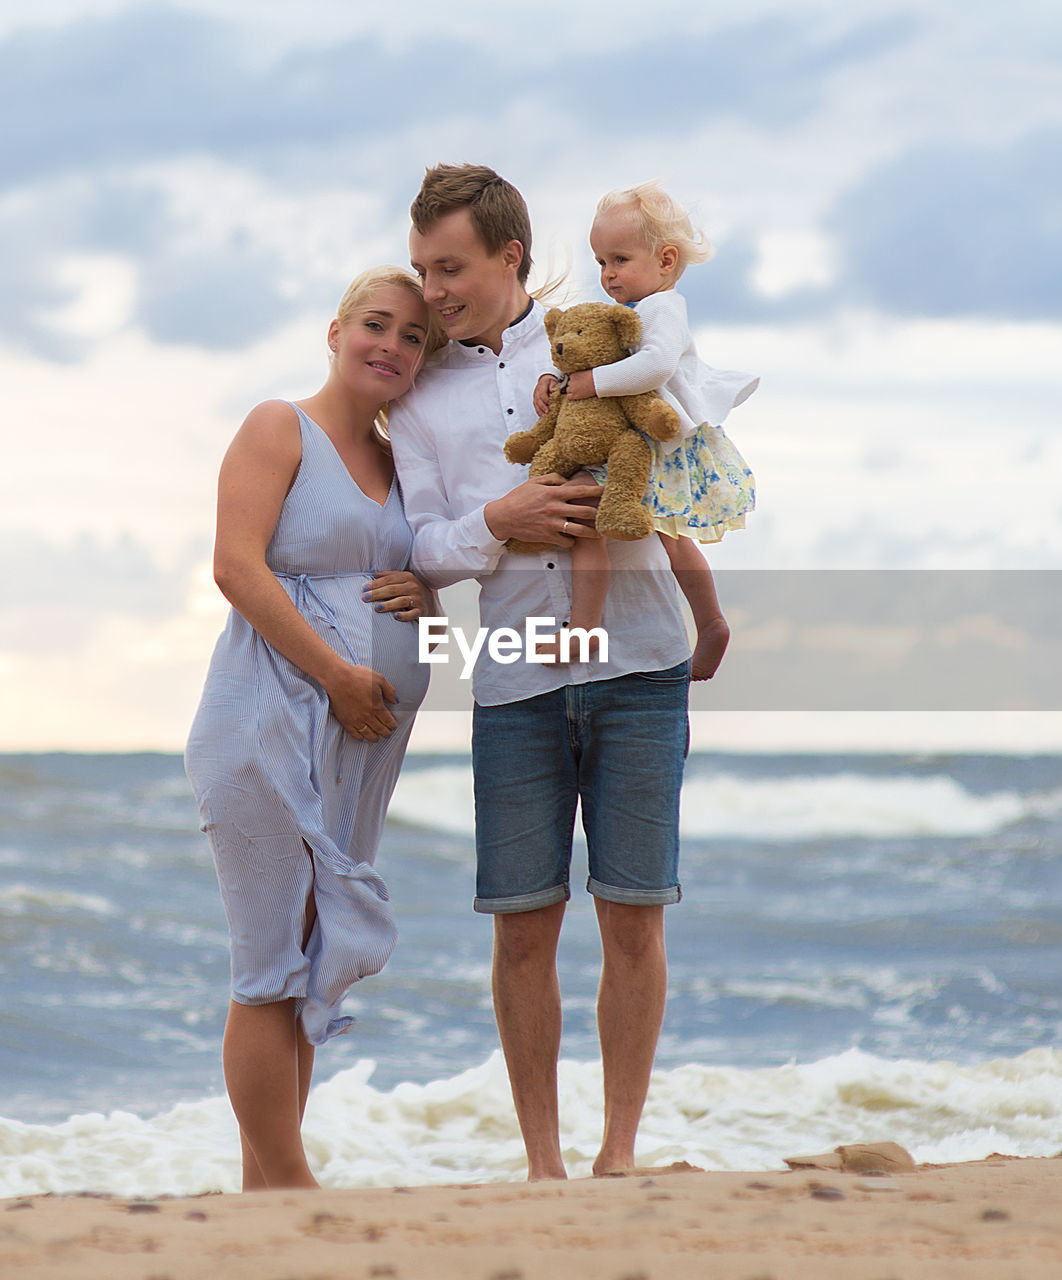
point(501, 364)
point(482, 350)
point(550, 564)
point(508, 410)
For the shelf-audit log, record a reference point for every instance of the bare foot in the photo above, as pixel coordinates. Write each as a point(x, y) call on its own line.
point(641, 1170)
point(712, 641)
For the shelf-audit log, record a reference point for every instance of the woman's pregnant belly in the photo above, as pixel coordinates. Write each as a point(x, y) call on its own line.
point(361, 635)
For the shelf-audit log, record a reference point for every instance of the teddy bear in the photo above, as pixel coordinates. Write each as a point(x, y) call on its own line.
point(579, 433)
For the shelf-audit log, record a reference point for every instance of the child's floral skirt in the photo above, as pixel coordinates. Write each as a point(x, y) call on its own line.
point(702, 488)
point(699, 490)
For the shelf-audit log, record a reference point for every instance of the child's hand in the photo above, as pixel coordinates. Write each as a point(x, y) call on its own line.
point(581, 385)
point(543, 389)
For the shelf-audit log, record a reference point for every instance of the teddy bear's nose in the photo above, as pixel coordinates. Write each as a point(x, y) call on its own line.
point(560, 348)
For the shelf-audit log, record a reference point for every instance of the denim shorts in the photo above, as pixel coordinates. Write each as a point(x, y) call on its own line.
point(617, 747)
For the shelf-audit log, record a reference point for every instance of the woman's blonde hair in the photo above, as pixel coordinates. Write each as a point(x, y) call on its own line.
point(359, 293)
point(662, 221)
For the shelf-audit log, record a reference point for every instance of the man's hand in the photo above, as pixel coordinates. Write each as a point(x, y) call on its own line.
point(545, 509)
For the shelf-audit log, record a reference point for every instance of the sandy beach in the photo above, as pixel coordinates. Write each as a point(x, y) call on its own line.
point(999, 1218)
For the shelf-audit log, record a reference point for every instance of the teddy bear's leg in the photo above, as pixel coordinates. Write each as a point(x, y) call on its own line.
point(621, 513)
point(521, 445)
point(526, 548)
point(552, 457)
point(652, 415)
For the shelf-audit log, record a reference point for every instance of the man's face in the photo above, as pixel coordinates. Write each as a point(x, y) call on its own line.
point(471, 289)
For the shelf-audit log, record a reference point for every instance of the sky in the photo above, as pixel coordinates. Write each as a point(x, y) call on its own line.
point(187, 188)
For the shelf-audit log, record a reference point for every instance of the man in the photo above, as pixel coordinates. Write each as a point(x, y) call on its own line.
point(612, 735)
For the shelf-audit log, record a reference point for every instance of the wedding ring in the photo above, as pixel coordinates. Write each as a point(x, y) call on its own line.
point(564, 527)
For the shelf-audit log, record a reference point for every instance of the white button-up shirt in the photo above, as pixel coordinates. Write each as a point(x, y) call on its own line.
point(447, 435)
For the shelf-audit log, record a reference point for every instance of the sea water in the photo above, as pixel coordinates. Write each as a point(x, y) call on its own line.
point(868, 948)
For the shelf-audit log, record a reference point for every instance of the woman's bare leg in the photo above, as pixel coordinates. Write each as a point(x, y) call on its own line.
point(261, 1058)
point(268, 1066)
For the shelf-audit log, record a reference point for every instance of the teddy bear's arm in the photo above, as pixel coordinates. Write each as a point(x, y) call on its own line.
point(522, 445)
point(652, 415)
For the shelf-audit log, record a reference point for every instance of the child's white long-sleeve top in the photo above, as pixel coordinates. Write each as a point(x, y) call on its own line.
point(666, 361)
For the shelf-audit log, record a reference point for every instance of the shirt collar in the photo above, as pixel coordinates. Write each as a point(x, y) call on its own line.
point(526, 326)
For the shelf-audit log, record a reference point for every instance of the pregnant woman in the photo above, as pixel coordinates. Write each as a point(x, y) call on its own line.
point(307, 709)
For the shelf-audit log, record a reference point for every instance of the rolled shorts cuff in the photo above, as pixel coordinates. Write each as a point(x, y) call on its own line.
point(522, 901)
point(634, 897)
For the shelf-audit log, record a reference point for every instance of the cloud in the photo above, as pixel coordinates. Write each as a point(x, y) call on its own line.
point(32, 282)
point(227, 299)
point(892, 640)
point(109, 116)
point(204, 274)
point(948, 231)
point(150, 83)
point(771, 71)
point(941, 232)
point(725, 291)
point(43, 225)
point(90, 574)
point(112, 89)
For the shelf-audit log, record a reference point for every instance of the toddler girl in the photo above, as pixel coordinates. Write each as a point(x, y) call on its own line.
point(700, 486)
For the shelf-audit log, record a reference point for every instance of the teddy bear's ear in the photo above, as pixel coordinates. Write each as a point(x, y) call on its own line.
point(551, 320)
point(628, 326)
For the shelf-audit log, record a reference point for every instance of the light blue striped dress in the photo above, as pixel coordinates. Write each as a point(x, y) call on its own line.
point(292, 804)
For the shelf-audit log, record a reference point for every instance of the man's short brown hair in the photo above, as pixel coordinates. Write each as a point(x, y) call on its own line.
point(498, 211)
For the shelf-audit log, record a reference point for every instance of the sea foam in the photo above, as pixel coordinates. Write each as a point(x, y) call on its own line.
point(462, 1129)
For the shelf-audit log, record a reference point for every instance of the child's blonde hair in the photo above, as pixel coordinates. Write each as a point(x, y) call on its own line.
point(662, 221)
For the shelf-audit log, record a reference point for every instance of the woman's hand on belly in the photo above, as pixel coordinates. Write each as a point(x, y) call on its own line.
point(400, 593)
point(358, 697)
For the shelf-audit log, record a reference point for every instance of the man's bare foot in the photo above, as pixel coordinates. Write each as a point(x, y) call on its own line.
point(712, 641)
point(642, 1170)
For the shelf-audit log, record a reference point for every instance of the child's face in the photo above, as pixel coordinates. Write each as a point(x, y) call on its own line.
point(629, 270)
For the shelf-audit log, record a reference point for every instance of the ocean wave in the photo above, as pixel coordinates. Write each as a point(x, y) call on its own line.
point(847, 804)
point(793, 807)
point(463, 1129)
point(48, 903)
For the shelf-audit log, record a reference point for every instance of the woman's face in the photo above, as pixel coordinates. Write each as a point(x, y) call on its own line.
point(379, 348)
